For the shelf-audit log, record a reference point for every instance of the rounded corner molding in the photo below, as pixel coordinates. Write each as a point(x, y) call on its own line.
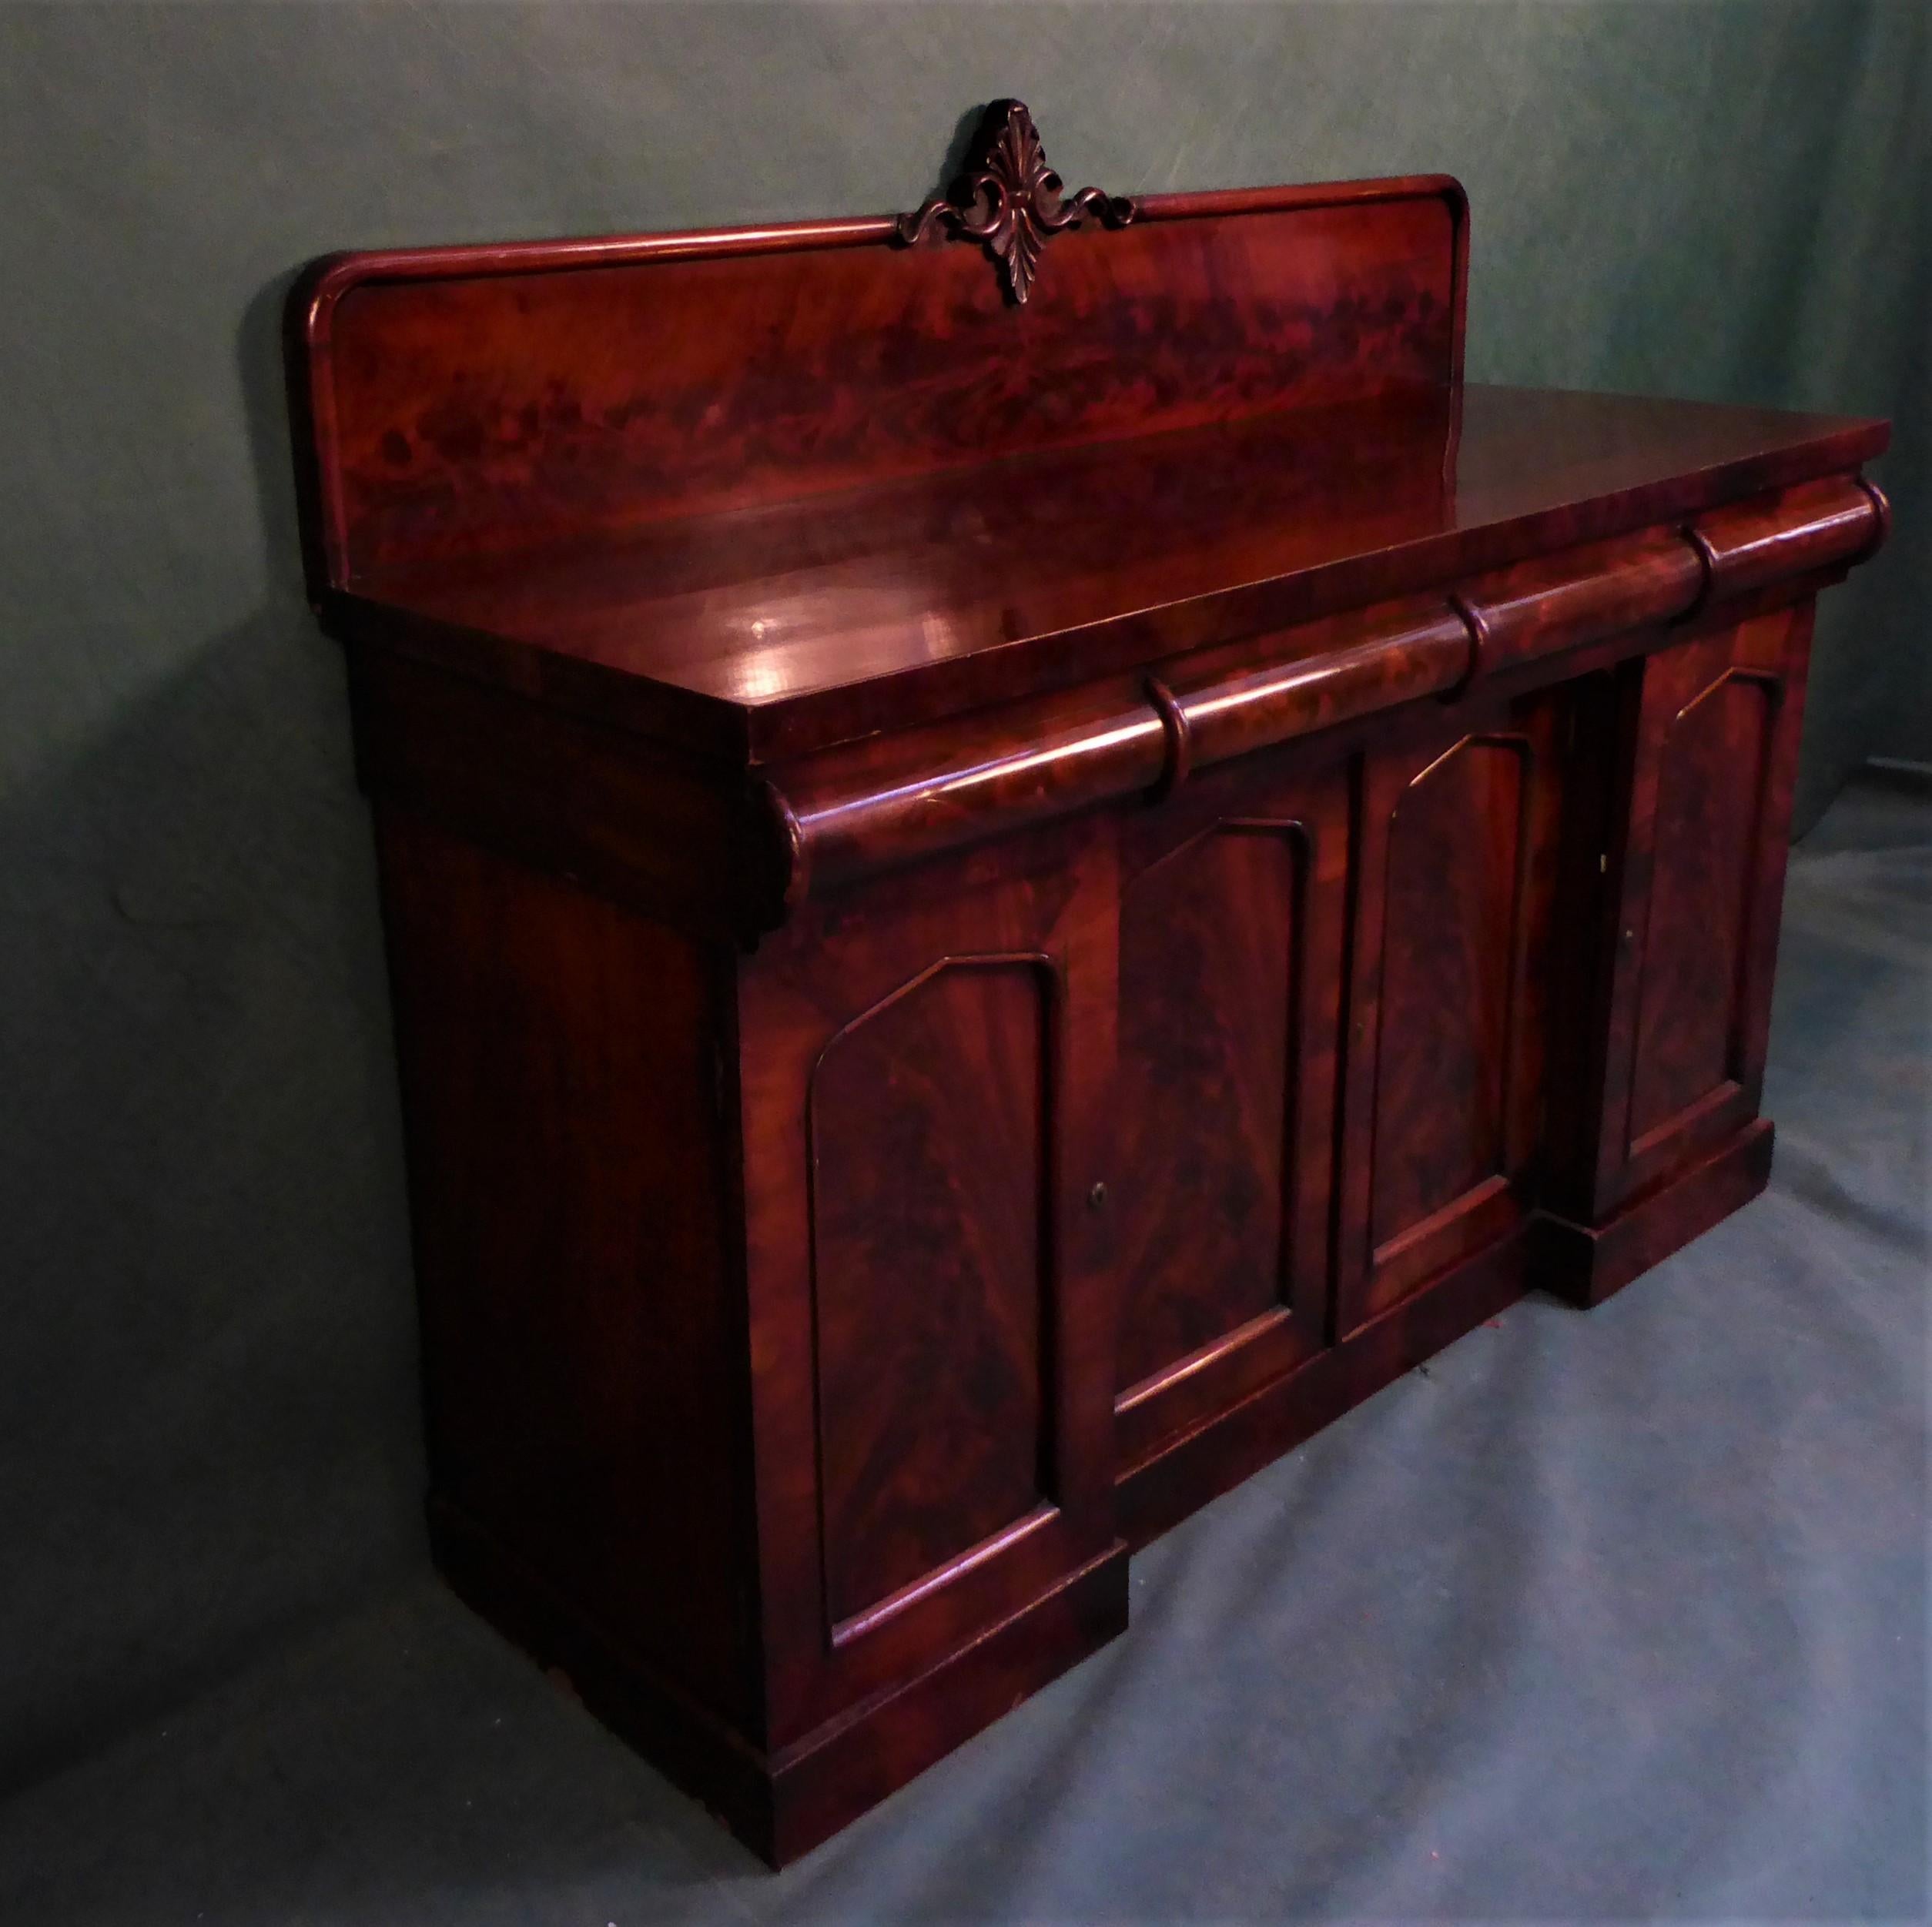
point(793, 871)
point(1707, 567)
point(1480, 641)
point(1881, 509)
point(1178, 734)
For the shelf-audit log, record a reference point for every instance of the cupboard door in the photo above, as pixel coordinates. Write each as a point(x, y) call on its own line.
point(1446, 1034)
point(928, 1117)
point(930, 1326)
point(1230, 963)
point(1700, 879)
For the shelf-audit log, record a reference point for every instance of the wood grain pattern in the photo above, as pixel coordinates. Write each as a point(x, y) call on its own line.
point(975, 1123)
point(997, 910)
point(1211, 939)
point(1448, 1015)
point(931, 1273)
point(896, 797)
point(772, 633)
point(1710, 790)
point(1232, 925)
point(1710, 764)
point(1447, 1001)
point(591, 386)
point(582, 1362)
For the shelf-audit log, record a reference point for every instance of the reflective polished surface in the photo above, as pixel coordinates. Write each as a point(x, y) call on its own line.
point(1028, 572)
point(995, 913)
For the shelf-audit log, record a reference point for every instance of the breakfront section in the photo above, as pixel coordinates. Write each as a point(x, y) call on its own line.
point(1703, 739)
point(1332, 1045)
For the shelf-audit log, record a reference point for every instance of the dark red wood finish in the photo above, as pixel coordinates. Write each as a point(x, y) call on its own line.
point(1232, 900)
point(471, 401)
point(998, 909)
point(1455, 874)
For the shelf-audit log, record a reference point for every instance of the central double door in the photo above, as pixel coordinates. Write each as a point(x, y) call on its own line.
point(1332, 1056)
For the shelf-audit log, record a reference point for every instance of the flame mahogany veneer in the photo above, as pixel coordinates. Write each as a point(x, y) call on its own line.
point(996, 911)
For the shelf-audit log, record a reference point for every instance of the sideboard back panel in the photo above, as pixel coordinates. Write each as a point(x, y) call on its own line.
point(471, 400)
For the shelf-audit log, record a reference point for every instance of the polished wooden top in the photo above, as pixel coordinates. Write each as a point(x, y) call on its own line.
point(756, 492)
point(767, 631)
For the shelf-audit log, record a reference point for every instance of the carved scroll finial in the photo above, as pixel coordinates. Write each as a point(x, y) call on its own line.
point(1010, 198)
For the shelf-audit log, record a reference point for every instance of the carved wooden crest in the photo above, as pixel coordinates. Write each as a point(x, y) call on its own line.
point(1010, 198)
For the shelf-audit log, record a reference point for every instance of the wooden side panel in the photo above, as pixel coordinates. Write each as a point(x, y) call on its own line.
point(587, 1400)
point(1447, 1033)
point(662, 833)
point(930, 1122)
point(1697, 870)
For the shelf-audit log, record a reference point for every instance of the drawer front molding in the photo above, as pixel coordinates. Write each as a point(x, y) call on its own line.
point(852, 812)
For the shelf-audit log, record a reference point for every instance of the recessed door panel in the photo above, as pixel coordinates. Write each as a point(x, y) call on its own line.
point(1450, 941)
point(1710, 761)
point(1231, 931)
point(930, 1316)
point(1709, 791)
point(1711, 755)
point(1209, 939)
point(930, 1123)
point(1447, 1029)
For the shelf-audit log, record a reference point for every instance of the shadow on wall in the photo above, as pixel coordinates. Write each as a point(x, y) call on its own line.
point(212, 1428)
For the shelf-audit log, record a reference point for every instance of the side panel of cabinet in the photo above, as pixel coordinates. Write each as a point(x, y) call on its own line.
point(570, 1191)
point(1232, 912)
point(1713, 762)
point(931, 1331)
point(1448, 1034)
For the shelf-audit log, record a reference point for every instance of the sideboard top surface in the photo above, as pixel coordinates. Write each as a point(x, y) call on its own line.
point(760, 491)
point(800, 625)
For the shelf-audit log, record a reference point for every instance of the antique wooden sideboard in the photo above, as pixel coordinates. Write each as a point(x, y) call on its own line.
point(1023, 852)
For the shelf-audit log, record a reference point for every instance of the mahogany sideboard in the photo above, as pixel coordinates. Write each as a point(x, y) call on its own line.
point(1023, 852)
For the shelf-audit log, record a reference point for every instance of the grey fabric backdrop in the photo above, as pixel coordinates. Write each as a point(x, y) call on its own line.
point(208, 1432)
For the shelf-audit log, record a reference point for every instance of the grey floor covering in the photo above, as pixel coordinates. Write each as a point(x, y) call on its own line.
point(1620, 1616)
